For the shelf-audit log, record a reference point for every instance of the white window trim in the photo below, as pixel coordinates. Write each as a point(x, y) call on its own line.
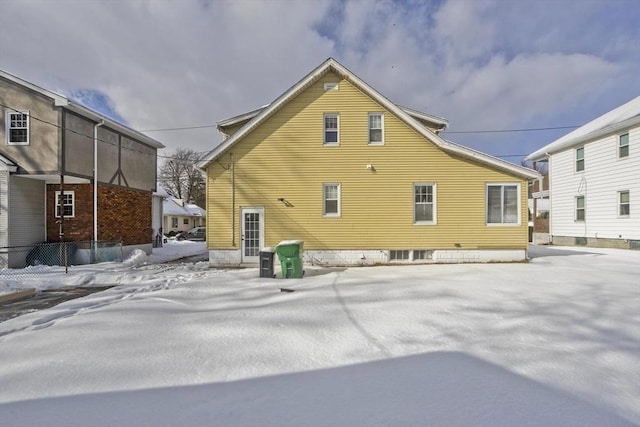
point(575, 208)
point(73, 204)
point(369, 127)
point(324, 130)
point(575, 160)
point(7, 127)
point(435, 210)
point(486, 205)
point(619, 203)
point(324, 200)
point(618, 146)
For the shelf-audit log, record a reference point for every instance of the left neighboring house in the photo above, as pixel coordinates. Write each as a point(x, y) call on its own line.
point(68, 173)
point(180, 216)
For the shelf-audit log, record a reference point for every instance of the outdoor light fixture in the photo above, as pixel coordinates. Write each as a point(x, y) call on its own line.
point(371, 167)
point(285, 202)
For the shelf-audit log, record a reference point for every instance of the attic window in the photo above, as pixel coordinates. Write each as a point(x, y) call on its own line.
point(331, 86)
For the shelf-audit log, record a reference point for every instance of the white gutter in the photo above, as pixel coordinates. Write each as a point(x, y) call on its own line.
point(95, 181)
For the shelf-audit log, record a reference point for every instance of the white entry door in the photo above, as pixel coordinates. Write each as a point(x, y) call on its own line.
point(252, 234)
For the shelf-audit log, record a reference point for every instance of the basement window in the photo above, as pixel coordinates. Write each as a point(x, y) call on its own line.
point(399, 255)
point(422, 254)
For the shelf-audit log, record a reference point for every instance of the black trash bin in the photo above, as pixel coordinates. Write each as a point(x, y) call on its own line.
point(266, 263)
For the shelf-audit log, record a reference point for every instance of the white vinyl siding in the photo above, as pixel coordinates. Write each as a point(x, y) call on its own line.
point(600, 183)
point(26, 216)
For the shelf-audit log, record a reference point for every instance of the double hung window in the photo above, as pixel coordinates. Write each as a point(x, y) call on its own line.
point(580, 159)
point(331, 129)
point(424, 203)
point(623, 146)
point(580, 209)
point(624, 204)
point(331, 199)
point(65, 204)
point(376, 128)
point(503, 204)
point(17, 127)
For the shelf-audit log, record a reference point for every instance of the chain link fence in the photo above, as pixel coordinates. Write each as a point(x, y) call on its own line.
point(62, 254)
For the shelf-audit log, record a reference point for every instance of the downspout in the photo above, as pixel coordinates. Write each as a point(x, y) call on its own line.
point(233, 202)
point(550, 196)
point(95, 181)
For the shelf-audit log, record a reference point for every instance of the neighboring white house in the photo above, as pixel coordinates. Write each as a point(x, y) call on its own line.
point(594, 181)
point(179, 216)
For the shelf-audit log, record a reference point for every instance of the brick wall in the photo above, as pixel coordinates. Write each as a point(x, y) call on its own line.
point(123, 214)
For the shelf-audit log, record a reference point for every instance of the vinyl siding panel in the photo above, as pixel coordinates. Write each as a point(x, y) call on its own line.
point(4, 215)
point(603, 177)
point(26, 216)
point(285, 158)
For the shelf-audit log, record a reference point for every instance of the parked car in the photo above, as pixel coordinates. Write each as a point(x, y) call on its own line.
point(197, 233)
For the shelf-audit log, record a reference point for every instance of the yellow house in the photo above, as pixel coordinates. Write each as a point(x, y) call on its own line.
point(360, 180)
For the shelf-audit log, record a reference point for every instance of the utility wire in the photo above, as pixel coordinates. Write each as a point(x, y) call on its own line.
point(90, 137)
point(512, 130)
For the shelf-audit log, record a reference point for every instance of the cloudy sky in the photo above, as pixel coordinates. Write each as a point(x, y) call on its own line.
point(482, 64)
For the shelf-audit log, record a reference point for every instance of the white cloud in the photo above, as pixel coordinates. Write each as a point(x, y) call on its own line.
point(481, 63)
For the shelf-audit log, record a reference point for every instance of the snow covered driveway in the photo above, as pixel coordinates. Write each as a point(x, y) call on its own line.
point(554, 342)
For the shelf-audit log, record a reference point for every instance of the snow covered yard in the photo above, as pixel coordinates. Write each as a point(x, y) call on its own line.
point(554, 342)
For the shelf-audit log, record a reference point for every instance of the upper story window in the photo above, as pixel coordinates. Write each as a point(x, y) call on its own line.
point(624, 205)
point(580, 208)
point(376, 128)
point(623, 146)
point(17, 127)
point(424, 202)
point(65, 204)
point(579, 159)
point(503, 204)
point(331, 129)
point(331, 199)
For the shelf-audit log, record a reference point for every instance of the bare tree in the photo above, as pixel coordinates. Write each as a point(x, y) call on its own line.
point(180, 176)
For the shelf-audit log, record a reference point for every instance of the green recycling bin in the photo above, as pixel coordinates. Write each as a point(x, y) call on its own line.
point(290, 256)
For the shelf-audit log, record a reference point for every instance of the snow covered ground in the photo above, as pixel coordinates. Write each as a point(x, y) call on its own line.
point(553, 342)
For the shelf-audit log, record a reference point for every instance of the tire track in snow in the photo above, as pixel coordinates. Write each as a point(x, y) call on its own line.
point(373, 341)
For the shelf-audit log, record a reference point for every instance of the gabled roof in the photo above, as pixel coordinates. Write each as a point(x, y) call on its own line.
point(172, 206)
point(61, 101)
point(619, 118)
point(332, 65)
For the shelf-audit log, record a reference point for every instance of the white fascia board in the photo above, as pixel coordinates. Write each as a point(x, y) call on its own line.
point(7, 165)
point(427, 117)
point(558, 146)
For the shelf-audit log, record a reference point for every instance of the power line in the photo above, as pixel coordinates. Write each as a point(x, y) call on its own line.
point(182, 128)
point(513, 130)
